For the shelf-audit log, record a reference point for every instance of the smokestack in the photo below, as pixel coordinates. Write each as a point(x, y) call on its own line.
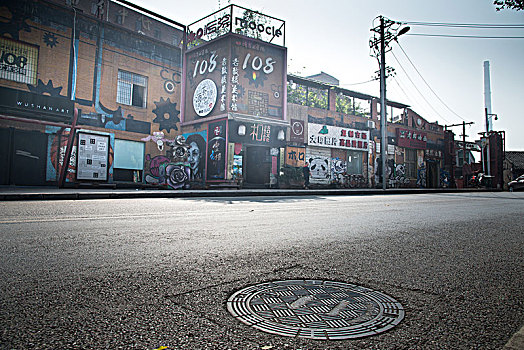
point(487, 96)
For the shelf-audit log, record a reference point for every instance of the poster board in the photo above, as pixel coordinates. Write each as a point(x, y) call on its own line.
point(93, 157)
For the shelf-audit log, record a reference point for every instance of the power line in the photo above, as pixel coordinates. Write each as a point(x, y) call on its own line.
point(466, 36)
point(467, 25)
point(425, 82)
point(363, 82)
point(416, 88)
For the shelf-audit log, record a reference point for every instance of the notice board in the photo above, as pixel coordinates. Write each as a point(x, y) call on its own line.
point(93, 156)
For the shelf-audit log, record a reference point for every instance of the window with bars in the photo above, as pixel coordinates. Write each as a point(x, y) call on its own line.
point(131, 89)
point(18, 61)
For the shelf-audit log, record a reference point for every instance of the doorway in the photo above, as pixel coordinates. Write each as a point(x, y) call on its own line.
point(258, 165)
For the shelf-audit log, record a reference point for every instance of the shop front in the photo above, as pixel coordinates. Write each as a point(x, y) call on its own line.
point(337, 155)
point(234, 85)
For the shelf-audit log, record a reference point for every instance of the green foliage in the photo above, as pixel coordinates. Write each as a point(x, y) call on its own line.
point(509, 4)
point(297, 94)
point(252, 16)
point(344, 104)
point(317, 98)
point(307, 96)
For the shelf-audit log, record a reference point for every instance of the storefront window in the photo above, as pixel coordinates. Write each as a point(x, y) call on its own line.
point(354, 162)
point(129, 160)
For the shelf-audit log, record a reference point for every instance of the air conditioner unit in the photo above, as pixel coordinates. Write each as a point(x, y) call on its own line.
point(371, 124)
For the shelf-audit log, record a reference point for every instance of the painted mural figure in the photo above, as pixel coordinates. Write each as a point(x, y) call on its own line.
point(197, 146)
point(307, 173)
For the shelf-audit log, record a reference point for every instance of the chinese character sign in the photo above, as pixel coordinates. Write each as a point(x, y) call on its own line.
point(295, 156)
point(337, 137)
point(411, 139)
point(216, 150)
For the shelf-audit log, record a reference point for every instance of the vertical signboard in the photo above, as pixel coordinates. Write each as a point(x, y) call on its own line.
point(216, 150)
point(297, 130)
point(257, 71)
point(92, 158)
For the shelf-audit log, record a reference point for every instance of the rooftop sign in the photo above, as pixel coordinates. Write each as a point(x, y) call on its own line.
point(238, 20)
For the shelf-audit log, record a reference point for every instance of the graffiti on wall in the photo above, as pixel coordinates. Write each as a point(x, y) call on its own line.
point(397, 178)
point(197, 150)
point(155, 171)
point(166, 115)
point(421, 177)
point(444, 178)
point(173, 171)
point(171, 80)
point(319, 167)
point(41, 88)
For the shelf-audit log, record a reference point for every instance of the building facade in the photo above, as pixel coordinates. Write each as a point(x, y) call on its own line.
point(128, 88)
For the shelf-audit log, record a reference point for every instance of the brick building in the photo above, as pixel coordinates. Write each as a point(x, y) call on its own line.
point(119, 70)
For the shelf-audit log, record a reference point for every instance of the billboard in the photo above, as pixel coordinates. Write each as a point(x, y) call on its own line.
point(337, 137)
point(234, 74)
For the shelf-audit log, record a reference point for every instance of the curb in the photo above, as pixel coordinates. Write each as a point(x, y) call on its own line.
point(54, 194)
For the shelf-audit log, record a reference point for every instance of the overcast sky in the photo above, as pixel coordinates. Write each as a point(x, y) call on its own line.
point(333, 36)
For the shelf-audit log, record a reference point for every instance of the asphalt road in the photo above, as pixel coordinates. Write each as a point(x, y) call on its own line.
point(153, 273)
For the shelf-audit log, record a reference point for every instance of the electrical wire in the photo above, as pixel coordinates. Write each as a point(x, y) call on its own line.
point(416, 88)
point(363, 82)
point(425, 82)
point(467, 25)
point(466, 36)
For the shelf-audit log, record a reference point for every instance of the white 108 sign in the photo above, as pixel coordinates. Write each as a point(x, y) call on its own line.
point(205, 66)
point(257, 63)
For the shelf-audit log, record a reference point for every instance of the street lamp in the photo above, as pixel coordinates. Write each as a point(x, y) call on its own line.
point(384, 33)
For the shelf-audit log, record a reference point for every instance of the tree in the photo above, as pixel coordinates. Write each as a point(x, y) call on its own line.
point(509, 4)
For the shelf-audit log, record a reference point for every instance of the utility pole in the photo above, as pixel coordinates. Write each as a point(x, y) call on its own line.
point(463, 143)
point(383, 122)
point(387, 31)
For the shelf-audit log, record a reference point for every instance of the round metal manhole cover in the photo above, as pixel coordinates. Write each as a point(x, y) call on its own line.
point(323, 310)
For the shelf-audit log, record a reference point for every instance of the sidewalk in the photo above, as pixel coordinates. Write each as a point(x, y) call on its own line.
point(19, 193)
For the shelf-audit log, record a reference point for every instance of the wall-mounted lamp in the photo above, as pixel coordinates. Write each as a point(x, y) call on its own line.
point(241, 130)
point(281, 136)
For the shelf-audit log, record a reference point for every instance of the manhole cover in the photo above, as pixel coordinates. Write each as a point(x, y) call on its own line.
point(323, 310)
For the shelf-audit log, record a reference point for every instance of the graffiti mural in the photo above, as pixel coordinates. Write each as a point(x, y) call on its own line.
point(338, 171)
point(41, 88)
point(397, 178)
point(421, 177)
point(166, 114)
point(174, 171)
point(171, 80)
point(319, 167)
point(444, 178)
point(50, 39)
point(155, 169)
point(197, 151)
point(176, 175)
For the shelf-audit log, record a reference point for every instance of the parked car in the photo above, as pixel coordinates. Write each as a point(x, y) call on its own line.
point(517, 184)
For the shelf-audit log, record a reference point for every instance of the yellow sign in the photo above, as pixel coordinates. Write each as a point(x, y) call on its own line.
point(295, 156)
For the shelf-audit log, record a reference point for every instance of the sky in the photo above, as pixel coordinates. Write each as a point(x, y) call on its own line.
point(440, 78)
